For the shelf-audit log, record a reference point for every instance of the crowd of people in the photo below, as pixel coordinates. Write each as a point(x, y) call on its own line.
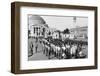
point(61, 50)
point(64, 51)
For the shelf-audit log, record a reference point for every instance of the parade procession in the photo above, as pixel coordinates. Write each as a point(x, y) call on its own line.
point(46, 43)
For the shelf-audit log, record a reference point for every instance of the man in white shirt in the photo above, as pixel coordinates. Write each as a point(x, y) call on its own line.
point(73, 50)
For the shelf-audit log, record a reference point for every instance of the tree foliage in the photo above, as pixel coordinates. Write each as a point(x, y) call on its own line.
point(66, 31)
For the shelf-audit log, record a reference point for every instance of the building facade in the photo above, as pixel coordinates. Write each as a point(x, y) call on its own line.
point(80, 32)
point(56, 34)
point(37, 26)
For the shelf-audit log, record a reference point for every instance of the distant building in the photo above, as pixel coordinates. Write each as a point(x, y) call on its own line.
point(50, 31)
point(56, 34)
point(65, 36)
point(37, 26)
point(80, 32)
point(72, 36)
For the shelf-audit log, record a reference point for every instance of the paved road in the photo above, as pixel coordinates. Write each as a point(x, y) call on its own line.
point(38, 44)
point(38, 56)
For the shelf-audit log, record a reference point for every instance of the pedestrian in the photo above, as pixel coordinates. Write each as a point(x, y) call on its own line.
point(36, 47)
point(31, 49)
point(73, 50)
point(58, 52)
point(67, 51)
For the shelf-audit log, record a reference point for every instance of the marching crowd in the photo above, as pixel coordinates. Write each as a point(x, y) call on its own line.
point(64, 51)
point(69, 50)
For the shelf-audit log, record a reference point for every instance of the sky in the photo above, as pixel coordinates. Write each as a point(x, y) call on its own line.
point(63, 22)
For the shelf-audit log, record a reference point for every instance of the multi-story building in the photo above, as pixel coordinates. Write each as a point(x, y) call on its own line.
point(56, 34)
point(80, 32)
point(37, 26)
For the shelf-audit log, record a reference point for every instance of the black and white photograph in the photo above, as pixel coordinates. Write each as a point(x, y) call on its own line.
point(53, 37)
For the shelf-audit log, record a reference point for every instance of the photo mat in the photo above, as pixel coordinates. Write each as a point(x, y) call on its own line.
point(32, 17)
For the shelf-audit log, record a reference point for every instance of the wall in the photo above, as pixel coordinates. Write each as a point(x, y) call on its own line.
point(5, 42)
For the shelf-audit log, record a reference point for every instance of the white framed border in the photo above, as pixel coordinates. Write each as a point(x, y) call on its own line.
point(25, 64)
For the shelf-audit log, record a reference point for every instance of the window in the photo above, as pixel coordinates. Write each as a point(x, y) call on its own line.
point(34, 29)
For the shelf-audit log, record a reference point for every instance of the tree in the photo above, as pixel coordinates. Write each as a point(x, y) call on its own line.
point(66, 31)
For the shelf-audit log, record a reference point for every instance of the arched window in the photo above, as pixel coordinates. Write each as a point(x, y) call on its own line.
point(43, 31)
point(34, 29)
